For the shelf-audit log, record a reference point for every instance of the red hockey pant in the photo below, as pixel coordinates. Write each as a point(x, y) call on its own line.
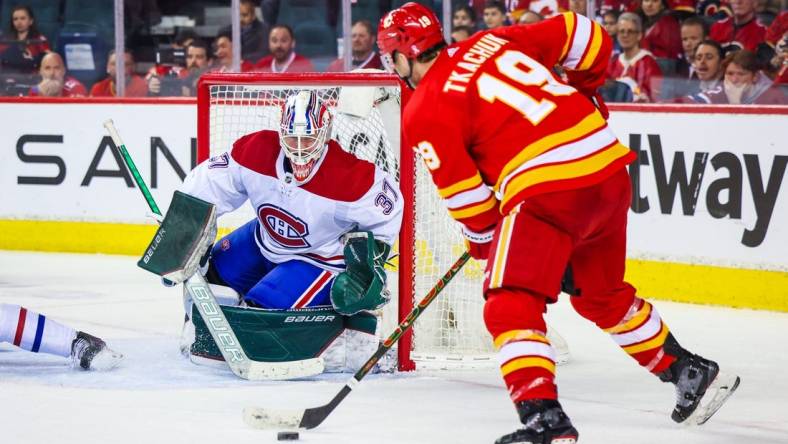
point(585, 228)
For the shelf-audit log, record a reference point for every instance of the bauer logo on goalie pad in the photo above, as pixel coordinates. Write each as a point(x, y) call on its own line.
point(284, 228)
point(321, 318)
point(155, 244)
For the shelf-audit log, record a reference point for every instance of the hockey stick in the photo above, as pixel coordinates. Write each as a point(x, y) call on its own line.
point(215, 320)
point(310, 418)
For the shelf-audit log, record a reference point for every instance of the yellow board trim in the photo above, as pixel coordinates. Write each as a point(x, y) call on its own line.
point(77, 237)
point(658, 341)
point(673, 281)
point(709, 284)
point(530, 362)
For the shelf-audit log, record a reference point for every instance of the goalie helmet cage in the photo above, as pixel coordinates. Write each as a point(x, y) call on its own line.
point(367, 110)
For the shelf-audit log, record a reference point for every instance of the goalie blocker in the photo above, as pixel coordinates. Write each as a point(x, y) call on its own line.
point(184, 236)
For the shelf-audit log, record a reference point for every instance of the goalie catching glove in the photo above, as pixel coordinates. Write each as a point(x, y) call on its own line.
point(362, 286)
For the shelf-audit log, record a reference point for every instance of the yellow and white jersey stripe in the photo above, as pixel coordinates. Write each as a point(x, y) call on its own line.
point(584, 44)
point(469, 198)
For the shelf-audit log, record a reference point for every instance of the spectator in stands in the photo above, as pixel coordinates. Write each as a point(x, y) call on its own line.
point(460, 33)
point(543, 8)
point(135, 84)
point(707, 71)
point(662, 35)
point(184, 38)
point(529, 17)
point(198, 61)
point(254, 33)
point(223, 55)
point(635, 66)
point(464, 15)
point(182, 82)
point(23, 46)
point(682, 9)
point(610, 22)
point(494, 14)
point(283, 57)
point(579, 7)
point(777, 29)
point(743, 83)
point(54, 81)
point(742, 31)
point(780, 61)
point(693, 32)
point(362, 45)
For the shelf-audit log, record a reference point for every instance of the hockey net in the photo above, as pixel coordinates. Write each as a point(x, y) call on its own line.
point(367, 115)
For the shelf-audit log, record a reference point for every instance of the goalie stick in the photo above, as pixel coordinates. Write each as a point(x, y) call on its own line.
point(215, 320)
point(263, 418)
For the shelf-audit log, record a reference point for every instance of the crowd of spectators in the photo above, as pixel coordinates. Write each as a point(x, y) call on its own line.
point(705, 51)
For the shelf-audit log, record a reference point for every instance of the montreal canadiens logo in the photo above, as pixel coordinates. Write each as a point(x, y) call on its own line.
point(284, 228)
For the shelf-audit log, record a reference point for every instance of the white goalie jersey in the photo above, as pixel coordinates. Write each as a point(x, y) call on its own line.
point(305, 220)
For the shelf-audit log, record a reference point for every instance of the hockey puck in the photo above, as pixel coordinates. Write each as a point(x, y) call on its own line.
point(287, 436)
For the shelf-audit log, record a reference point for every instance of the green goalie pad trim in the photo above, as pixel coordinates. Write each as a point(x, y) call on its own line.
point(183, 236)
point(280, 335)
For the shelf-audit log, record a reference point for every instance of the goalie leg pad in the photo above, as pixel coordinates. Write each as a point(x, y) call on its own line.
point(279, 335)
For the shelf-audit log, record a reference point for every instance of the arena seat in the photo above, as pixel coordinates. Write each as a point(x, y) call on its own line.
point(315, 39)
point(295, 12)
point(78, 44)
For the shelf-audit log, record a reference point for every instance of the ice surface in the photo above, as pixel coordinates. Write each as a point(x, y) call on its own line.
point(157, 396)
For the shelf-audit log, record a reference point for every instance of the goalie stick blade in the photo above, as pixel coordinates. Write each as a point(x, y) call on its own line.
point(269, 371)
point(718, 392)
point(261, 418)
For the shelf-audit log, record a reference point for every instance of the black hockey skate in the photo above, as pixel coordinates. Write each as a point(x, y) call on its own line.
point(545, 423)
point(701, 388)
point(91, 353)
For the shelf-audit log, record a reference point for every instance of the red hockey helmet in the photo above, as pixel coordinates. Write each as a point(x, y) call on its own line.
point(410, 30)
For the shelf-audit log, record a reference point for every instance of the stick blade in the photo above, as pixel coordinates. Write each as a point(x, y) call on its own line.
point(262, 418)
point(273, 371)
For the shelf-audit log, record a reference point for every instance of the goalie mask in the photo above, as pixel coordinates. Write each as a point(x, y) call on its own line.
point(304, 131)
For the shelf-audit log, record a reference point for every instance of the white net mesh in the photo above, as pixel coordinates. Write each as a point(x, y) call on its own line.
point(451, 331)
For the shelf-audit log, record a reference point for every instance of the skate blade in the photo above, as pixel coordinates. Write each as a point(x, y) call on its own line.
point(718, 392)
point(564, 440)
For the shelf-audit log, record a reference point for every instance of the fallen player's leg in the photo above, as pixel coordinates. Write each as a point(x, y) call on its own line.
point(36, 333)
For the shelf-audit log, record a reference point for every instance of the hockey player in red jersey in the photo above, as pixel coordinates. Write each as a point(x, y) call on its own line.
point(529, 167)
